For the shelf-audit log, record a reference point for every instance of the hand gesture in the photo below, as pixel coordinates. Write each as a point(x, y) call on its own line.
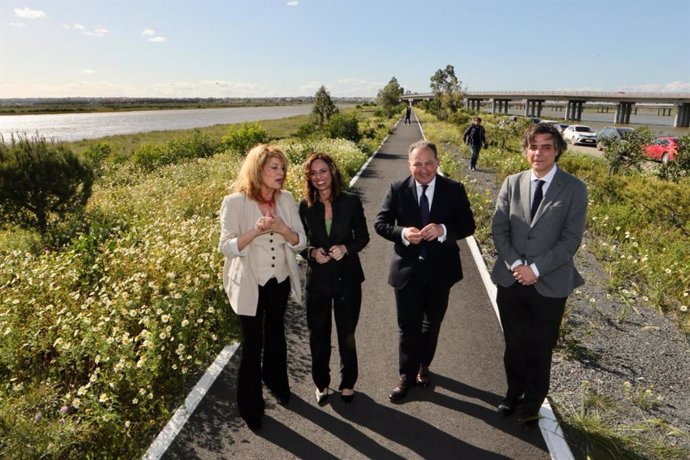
point(320, 255)
point(337, 251)
point(413, 235)
point(431, 232)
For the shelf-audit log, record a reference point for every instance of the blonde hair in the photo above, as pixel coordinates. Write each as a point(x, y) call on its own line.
point(248, 180)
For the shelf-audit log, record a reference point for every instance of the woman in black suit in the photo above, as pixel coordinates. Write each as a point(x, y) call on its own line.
point(336, 230)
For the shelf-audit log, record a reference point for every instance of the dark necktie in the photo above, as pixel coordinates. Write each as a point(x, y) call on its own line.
point(538, 196)
point(424, 212)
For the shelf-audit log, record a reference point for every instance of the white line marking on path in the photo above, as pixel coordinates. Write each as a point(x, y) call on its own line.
point(548, 424)
point(182, 414)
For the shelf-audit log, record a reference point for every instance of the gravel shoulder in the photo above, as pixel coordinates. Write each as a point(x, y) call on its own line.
point(633, 355)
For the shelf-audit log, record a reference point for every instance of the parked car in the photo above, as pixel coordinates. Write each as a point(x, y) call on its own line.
point(561, 126)
point(580, 134)
point(664, 149)
point(609, 133)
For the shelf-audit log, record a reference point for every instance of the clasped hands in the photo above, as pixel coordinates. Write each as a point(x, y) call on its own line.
point(524, 275)
point(428, 233)
point(269, 222)
point(336, 252)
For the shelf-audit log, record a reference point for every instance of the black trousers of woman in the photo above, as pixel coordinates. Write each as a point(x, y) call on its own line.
point(346, 307)
point(265, 331)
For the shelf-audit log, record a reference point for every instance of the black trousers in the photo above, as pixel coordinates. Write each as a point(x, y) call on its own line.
point(345, 307)
point(531, 323)
point(263, 332)
point(421, 306)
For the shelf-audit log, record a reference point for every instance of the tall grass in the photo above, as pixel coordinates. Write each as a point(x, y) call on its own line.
point(103, 334)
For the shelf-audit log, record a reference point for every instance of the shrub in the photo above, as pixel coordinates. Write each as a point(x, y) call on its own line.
point(345, 126)
point(39, 180)
point(680, 166)
point(626, 154)
point(244, 136)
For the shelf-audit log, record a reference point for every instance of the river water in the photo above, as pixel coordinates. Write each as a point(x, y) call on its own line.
point(74, 127)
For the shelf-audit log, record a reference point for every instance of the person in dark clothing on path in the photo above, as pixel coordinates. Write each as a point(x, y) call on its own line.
point(424, 215)
point(408, 112)
point(336, 231)
point(474, 137)
point(537, 228)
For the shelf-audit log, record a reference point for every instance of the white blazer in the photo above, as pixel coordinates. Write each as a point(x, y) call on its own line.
point(239, 273)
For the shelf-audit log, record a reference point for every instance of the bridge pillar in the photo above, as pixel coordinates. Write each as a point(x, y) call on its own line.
point(500, 106)
point(474, 104)
point(574, 110)
point(623, 111)
point(682, 119)
point(533, 107)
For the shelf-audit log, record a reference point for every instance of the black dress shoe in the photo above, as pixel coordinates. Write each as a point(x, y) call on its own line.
point(283, 398)
point(401, 390)
point(254, 424)
point(506, 407)
point(423, 377)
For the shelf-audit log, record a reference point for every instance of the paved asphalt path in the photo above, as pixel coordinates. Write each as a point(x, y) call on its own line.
point(453, 418)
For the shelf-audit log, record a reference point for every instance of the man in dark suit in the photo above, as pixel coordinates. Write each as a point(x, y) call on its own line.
point(424, 215)
point(537, 228)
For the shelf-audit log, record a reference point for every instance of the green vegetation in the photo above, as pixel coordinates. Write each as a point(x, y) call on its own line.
point(323, 108)
point(108, 319)
point(638, 228)
point(40, 181)
point(389, 98)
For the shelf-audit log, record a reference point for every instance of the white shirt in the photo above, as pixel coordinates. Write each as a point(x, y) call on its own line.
point(431, 186)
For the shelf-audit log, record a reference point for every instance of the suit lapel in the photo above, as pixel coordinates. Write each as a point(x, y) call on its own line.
point(524, 185)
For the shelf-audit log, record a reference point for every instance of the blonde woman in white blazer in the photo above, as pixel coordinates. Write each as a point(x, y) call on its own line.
point(261, 233)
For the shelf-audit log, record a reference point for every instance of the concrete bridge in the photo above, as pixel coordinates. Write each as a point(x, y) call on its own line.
point(534, 102)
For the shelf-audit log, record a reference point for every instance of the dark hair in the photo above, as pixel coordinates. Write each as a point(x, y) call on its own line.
point(310, 192)
point(544, 128)
point(424, 145)
point(478, 119)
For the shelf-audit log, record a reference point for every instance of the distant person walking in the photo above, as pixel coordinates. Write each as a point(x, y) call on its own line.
point(537, 228)
point(423, 215)
point(337, 231)
point(260, 234)
point(475, 137)
point(408, 113)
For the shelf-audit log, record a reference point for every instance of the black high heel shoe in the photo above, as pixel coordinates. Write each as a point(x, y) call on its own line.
point(347, 399)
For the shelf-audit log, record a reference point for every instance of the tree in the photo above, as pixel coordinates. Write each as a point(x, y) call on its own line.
point(389, 97)
point(446, 88)
point(39, 179)
point(324, 107)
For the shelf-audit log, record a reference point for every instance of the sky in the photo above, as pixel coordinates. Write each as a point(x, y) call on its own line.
point(269, 48)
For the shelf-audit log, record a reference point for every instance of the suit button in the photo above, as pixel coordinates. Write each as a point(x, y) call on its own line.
point(530, 237)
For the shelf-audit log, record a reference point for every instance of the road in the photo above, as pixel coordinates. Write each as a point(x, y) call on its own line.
point(453, 418)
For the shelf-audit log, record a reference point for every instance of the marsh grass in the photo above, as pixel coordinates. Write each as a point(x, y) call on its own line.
point(639, 229)
point(103, 333)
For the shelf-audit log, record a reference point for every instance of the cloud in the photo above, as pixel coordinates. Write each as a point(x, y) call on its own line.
point(207, 88)
point(671, 87)
point(73, 89)
point(97, 32)
point(88, 71)
point(28, 13)
point(151, 33)
point(344, 87)
point(17, 25)
point(293, 3)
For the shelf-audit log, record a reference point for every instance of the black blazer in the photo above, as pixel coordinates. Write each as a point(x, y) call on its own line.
point(400, 208)
point(349, 227)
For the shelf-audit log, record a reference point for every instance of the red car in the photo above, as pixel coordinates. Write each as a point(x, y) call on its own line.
point(662, 149)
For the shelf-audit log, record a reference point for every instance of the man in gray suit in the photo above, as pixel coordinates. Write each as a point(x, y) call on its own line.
point(537, 228)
